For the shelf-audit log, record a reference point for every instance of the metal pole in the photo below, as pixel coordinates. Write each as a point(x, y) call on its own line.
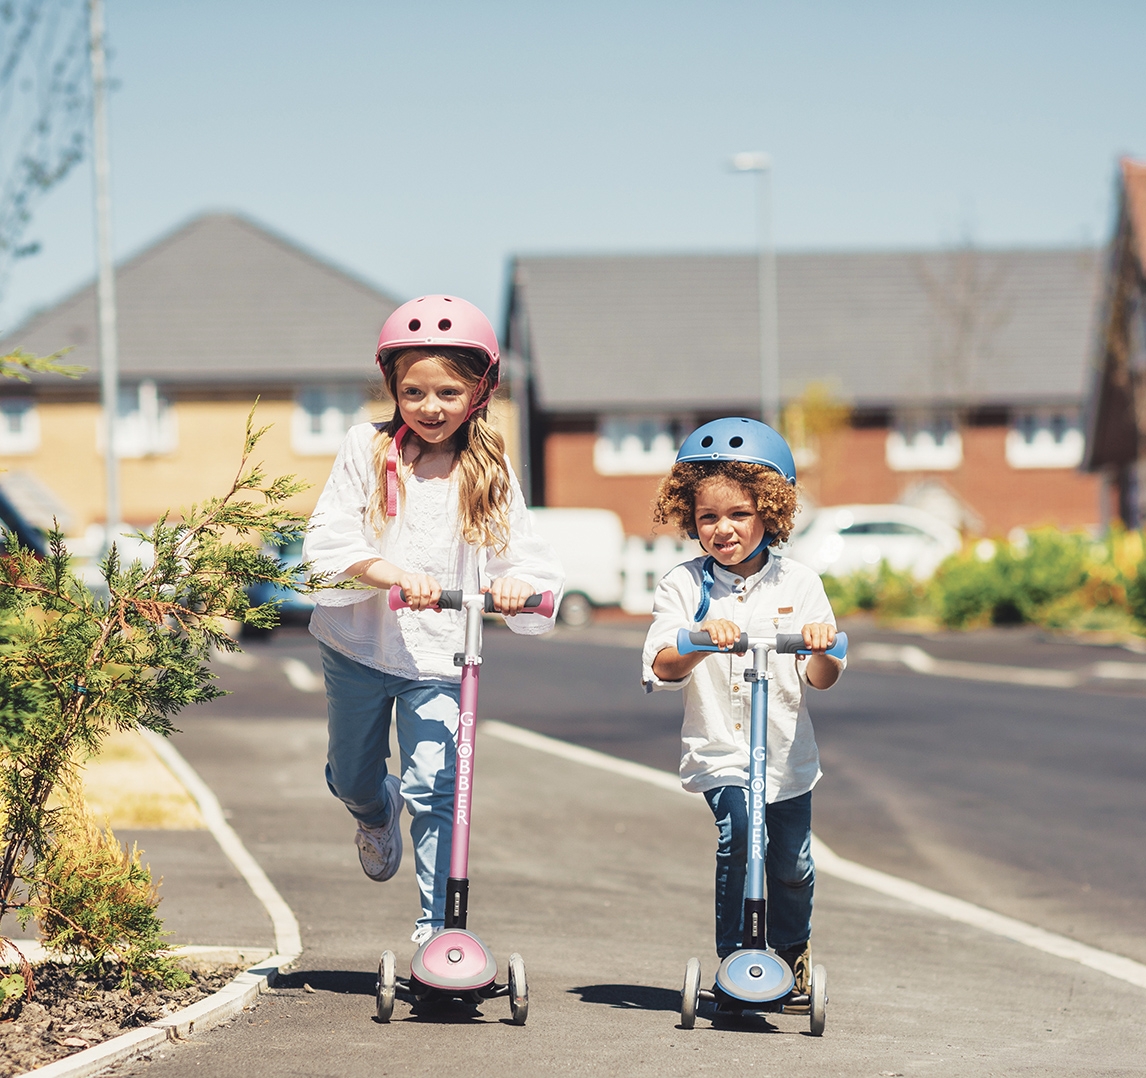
point(769, 321)
point(766, 305)
point(108, 340)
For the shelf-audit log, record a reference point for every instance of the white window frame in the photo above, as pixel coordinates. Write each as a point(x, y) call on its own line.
point(638, 444)
point(322, 415)
point(928, 442)
point(19, 426)
point(145, 424)
point(1045, 438)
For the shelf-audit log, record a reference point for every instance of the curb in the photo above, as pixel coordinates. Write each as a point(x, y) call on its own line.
point(232, 998)
point(217, 1008)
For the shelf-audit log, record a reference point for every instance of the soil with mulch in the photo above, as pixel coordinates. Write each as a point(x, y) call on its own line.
point(69, 1012)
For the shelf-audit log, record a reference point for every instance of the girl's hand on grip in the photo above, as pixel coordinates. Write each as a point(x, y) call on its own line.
point(724, 634)
point(420, 589)
point(509, 594)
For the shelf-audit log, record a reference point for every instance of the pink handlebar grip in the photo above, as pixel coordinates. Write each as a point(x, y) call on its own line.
point(544, 605)
point(396, 600)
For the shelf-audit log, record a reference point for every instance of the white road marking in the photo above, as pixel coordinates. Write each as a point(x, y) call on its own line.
point(1125, 969)
point(288, 942)
point(301, 676)
point(916, 659)
point(240, 660)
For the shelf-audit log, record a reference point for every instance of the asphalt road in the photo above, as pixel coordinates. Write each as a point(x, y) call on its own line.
point(1001, 795)
point(1028, 801)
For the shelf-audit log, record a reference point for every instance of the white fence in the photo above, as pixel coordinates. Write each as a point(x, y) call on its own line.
point(646, 562)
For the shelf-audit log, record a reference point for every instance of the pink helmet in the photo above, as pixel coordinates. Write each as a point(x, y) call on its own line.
point(445, 321)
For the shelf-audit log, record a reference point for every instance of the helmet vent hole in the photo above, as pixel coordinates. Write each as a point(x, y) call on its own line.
point(444, 324)
point(706, 441)
point(415, 325)
point(736, 442)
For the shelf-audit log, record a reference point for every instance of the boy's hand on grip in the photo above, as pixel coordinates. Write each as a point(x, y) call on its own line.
point(723, 633)
point(421, 590)
point(818, 637)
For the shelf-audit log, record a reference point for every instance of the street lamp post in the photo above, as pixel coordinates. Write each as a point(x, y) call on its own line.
point(108, 342)
point(761, 164)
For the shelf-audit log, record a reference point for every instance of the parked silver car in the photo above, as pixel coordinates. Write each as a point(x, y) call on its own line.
point(843, 539)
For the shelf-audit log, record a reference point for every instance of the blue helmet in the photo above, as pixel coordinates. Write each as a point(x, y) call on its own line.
point(746, 440)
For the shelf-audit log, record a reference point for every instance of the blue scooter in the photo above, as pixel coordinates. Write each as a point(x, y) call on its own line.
point(755, 978)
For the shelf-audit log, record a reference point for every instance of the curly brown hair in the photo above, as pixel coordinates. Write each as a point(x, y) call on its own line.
point(774, 496)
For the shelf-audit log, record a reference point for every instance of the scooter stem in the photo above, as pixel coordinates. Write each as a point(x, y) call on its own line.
point(754, 901)
point(457, 886)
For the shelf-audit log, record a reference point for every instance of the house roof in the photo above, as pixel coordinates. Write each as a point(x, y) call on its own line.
point(222, 300)
point(681, 332)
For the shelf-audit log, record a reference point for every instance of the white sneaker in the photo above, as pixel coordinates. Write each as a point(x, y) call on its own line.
point(380, 848)
point(421, 934)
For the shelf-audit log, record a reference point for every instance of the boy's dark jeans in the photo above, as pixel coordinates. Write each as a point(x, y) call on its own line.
point(788, 867)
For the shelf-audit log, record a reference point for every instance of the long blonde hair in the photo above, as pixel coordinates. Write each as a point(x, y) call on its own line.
point(483, 477)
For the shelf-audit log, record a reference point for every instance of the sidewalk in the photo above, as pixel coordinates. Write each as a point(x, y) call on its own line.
point(603, 883)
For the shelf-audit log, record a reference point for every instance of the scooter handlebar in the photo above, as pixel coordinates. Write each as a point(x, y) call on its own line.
point(784, 644)
point(541, 603)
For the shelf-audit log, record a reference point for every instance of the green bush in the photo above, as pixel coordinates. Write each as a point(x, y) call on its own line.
point(1010, 584)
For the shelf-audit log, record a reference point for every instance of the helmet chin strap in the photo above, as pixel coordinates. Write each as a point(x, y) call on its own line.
point(392, 470)
point(708, 577)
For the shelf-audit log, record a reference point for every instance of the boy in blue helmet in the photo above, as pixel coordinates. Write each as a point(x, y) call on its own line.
point(733, 487)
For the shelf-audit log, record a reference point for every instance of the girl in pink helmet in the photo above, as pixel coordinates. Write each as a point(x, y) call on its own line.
point(426, 501)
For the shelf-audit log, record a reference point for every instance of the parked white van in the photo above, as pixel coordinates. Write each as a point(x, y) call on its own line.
point(591, 545)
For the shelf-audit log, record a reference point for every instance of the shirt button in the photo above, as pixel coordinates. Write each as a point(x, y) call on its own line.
point(740, 598)
point(738, 726)
point(735, 688)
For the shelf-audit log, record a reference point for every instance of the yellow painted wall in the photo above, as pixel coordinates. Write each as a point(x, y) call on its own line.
point(203, 465)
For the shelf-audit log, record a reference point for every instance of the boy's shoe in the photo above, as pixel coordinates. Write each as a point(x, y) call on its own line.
point(421, 934)
point(380, 848)
point(800, 963)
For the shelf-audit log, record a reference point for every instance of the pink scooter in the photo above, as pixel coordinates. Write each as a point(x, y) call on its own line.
point(453, 963)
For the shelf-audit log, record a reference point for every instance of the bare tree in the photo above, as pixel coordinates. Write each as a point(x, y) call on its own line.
point(969, 298)
point(44, 104)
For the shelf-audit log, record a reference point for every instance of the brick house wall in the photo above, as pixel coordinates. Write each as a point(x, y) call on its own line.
point(852, 467)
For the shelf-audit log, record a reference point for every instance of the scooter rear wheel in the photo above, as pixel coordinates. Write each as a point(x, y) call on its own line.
point(818, 1000)
point(690, 994)
point(387, 985)
point(518, 990)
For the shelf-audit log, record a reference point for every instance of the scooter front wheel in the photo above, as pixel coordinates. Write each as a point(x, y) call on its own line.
point(518, 990)
point(818, 1000)
point(690, 994)
point(387, 985)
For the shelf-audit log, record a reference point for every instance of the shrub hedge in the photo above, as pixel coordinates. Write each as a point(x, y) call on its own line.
point(1063, 580)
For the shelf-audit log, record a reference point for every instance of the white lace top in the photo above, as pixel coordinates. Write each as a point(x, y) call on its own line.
point(424, 538)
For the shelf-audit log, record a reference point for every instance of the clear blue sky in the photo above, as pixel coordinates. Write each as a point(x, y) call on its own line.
point(420, 144)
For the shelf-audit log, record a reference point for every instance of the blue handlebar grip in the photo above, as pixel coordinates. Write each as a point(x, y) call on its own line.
point(687, 642)
point(793, 644)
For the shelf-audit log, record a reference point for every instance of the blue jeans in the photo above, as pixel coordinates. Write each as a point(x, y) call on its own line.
point(788, 868)
point(359, 703)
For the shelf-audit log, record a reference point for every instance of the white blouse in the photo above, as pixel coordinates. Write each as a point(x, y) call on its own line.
point(425, 537)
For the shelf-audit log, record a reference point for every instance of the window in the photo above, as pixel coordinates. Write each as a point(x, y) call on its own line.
point(924, 443)
point(1045, 438)
point(884, 527)
point(19, 426)
point(145, 424)
point(322, 416)
point(638, 444)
